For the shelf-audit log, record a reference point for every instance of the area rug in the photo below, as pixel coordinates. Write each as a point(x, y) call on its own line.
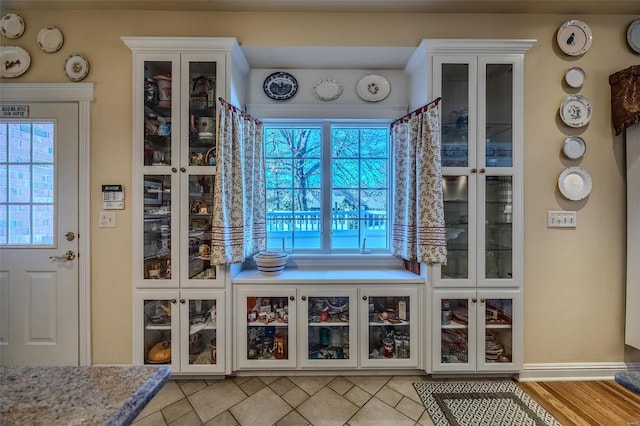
point(487, 403)
point(630, 380)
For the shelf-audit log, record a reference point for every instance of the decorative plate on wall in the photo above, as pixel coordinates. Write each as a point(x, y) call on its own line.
point(574, 147)
point(575, 111)
point(11, 25)
point(575, 77)
point(373, 88)
point(280, 86)
point(633, 36)
point(574, 37)
point(327, 90)
point(76, 67)
point(14, 61)
point(49, 39)
point(575, 183)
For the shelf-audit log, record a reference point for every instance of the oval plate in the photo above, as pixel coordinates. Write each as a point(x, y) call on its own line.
point(280, 86)
point(633, 36)
point(574, 37)
point(574, 147)
point(14, 61)
point(575, 111)
point(327, 90)
point(11, 26)
point(49, 39)
point(575, 183)
point(373, 88)
point(76, 67)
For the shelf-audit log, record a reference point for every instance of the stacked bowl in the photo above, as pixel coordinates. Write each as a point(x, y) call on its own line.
point(270, 262)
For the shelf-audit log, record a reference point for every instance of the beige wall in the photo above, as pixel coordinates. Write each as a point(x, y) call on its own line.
point(574, 279)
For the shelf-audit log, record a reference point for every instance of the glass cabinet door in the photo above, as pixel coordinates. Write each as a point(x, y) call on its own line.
point(159, 326)
point(201, 94)
point(159, 111)
point(267, 337)
point(498, 120)
point(202, 331)
point(460, 230)
point(498, 228)
point(199, 215)
point(390, 337)
point(157, 227)
point(328, 318)
point(455, 331)
point(499, 311)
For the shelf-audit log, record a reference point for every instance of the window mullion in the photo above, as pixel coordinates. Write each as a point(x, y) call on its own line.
point(326, 186)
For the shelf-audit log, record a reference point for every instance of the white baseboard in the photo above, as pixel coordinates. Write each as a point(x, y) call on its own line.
point(574, 371)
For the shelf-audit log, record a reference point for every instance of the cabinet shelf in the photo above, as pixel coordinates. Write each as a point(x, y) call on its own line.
point(388, 323)
point(269, 324)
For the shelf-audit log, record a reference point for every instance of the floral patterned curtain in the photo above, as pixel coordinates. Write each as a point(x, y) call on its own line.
point(239, 213)
point(418, 231)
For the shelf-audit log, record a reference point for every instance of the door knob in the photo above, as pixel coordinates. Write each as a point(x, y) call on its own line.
point(70, 255)
point(70, 236)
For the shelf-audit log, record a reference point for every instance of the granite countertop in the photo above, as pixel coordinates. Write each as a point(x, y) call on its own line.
point(77, 395)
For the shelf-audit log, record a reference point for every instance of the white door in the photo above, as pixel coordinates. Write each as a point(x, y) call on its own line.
point(39, 236)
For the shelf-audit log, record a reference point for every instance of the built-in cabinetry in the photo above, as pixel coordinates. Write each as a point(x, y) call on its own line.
point(176, 83)
point(475, 299)
point(337, 324)
point(632, 329)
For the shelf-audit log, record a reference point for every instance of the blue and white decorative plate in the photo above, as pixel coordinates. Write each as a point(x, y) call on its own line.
point(575, 111)
point(280, 86)
point(574, 37)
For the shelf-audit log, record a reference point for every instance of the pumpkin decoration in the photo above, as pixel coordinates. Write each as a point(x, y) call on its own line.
point(160, 352)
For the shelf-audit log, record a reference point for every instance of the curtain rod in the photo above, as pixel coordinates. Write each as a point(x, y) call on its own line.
point(424, 108)
point(234, 108)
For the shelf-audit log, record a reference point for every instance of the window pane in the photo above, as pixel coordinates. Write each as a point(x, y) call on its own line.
point(373, 173)
point(345, 174)
point(27, 183)
point(374, 143)
point(344, 143)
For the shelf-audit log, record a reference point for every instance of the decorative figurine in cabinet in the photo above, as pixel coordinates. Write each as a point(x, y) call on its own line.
point(389, 335)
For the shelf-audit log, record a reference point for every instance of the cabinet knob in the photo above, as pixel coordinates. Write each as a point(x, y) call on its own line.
point(364, 297)
point(182, 169)
point(474, 170)
point(474, 300)
point(173, 300)
point(482, 170)
point(174, 170)
point(304, 297)
point(182, 301)
point(292, 298)
point(482, 300)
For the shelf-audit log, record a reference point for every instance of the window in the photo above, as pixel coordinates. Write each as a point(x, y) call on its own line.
point(26, 183)
point(327, 187)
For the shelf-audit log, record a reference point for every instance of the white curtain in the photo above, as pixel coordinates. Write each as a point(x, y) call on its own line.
point(239, 222)
point(418, 231)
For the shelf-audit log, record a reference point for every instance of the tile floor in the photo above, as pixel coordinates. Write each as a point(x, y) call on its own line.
point(288, 401)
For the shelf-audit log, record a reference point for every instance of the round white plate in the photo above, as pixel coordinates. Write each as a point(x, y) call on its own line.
point(574, 183)
point(373, 88)
point(633, 35)
point(76, 67)
point(575, 77)
point(14, 61)
point(574, 37)
point(575, 111)
point(49, 39)
point(327, 90)
point(11, 25)
point(574, 147)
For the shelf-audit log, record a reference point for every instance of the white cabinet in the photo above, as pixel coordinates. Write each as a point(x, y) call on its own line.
point(330, 326)
point(476, 330)
point(176, 84)
point(481, 113)
point(194, 318)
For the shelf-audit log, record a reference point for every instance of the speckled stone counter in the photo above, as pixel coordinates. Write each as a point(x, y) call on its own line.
point(77, 395)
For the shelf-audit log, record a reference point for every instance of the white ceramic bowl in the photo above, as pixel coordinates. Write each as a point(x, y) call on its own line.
point(270, 263)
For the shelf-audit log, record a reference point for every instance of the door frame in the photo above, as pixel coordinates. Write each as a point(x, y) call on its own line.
point(82, 94)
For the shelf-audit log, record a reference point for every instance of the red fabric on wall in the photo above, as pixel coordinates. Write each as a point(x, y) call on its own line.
point(625, 98)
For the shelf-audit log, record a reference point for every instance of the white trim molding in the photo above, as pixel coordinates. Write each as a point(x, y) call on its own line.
point(82, 93)
point(574, 371)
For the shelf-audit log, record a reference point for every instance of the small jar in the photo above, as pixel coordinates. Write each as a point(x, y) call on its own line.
point(387, 347)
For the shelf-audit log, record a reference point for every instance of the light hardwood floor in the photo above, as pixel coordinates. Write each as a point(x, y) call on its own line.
point(598, 403)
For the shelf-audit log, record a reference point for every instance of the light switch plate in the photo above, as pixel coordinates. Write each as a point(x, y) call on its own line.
point(107, 219)
point(561, 219)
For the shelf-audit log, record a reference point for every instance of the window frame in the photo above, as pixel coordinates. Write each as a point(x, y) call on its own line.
point(377, 257)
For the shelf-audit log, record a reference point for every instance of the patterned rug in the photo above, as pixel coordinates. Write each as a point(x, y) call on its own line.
point(630, 380)
point(487, 403)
